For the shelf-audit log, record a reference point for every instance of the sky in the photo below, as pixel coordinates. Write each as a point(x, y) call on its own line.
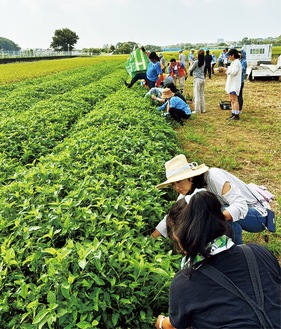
point(31, 23)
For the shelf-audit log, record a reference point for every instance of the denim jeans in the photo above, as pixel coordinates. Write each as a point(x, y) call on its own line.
point(253, 222)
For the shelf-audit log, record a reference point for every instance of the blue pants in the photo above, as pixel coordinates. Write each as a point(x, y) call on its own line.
point(150, 84)
point(253, 222)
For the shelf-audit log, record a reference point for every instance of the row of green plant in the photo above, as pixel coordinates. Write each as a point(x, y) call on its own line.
point(19, 71)
point(75, 222)
point(21, 96)
point(33, 131)
point(38, 113)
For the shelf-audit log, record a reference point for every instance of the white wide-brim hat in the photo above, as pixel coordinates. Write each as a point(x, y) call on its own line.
point(178, 169)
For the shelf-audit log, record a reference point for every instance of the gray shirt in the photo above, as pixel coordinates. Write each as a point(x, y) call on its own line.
point(198, 72)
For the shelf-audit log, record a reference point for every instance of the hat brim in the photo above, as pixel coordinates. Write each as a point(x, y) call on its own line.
point(167, 96)
point(201, 169)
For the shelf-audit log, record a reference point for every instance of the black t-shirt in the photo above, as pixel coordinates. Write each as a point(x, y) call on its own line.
point(208, 59)
point(200, 302)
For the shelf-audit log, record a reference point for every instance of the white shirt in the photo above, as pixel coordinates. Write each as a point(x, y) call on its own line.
point(234, 77)
point(182, 58)
point(236, 201)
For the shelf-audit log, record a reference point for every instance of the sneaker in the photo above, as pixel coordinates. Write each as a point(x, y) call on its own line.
point(128, 85)
point(235, 117)
point(232, 115)
point(193, 112)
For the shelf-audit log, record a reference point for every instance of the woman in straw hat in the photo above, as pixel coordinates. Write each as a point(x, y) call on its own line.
point(175, 106)
point(201, 233)
point(240, 205)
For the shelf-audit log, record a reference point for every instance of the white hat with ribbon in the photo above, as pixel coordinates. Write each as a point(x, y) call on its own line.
point(178, 169)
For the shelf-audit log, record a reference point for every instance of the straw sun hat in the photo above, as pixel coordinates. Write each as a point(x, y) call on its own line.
point(178, 169)
point(167, 93)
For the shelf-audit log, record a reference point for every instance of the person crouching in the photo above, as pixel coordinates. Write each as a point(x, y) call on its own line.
point(175, 106)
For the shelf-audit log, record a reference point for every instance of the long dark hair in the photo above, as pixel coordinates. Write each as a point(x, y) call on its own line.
point(172, 86)
point(192, 226)
point(198, 182)
point(201, 59)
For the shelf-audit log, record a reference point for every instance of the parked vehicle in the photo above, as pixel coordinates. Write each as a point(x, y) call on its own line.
point(259, 60)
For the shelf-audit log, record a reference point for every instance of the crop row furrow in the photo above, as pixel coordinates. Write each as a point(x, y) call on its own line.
point(44, 71)
point(34, 133)
point(26, 95)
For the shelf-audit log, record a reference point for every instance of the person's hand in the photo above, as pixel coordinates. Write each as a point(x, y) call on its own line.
point(153, 97)
point(164, 322)
point(159, 319)
point(155, 234)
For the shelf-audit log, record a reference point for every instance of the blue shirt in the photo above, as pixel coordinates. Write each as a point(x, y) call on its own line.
point(177, 103)
point(191, 57)
point(153, 70)
point(244, 69)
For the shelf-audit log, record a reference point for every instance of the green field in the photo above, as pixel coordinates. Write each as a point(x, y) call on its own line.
point(80, 157)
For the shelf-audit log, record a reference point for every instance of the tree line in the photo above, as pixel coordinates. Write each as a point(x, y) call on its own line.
point(65, 40)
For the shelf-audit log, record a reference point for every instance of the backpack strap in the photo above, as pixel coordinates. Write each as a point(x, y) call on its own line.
point(224, 281)
point(254, 273)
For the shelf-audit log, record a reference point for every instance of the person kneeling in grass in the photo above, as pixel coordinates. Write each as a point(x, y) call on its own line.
point(242, 207)
point(175, 106)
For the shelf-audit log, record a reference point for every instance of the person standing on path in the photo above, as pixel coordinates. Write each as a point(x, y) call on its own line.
point(208, 60)
point(197, 71)
point(178, 72)
point(233, 82)
point(182, 57)
point(243, 61)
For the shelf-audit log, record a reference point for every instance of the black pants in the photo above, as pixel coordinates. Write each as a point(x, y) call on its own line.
point(240, 97)
point(142, 76)
point(138, 76)
point(178, 115)
point(207, 68)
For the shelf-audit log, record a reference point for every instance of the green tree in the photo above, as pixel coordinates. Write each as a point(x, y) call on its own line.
point(8, 45)
point(64, 40)
point(278, 41)
point(222, 44)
